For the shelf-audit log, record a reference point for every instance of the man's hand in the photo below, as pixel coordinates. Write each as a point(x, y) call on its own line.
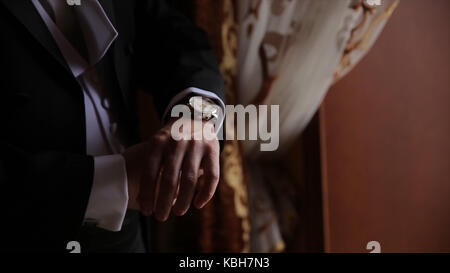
point(165, 170)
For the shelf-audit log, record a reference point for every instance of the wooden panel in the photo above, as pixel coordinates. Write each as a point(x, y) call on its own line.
point(386, 139)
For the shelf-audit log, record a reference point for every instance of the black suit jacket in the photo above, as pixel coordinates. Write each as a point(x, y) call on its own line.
point(45, 173)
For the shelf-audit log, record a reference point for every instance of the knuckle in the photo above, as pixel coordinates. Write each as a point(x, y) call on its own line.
point(212, 146)
point(159, 138)
point(190, 178)
point(214, 177)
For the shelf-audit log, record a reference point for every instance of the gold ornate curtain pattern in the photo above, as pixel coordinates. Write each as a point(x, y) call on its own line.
point(371, 22)
point(283, 52)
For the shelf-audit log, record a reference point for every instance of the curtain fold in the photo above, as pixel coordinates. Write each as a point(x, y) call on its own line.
point(290, 53)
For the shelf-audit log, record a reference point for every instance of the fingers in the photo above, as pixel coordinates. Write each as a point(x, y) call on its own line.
point(171, 179)
point(189, 177)
point(173, 159)
point(211, 167)
point(150, 176)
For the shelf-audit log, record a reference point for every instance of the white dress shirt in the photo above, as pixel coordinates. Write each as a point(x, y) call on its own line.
point(109, 195)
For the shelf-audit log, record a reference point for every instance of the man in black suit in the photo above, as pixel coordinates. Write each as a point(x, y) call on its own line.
point(71, 162)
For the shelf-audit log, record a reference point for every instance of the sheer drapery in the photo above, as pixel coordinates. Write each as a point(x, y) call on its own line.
point(291, 51)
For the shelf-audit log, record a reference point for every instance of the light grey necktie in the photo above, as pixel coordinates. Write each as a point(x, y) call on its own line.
point(65, 17)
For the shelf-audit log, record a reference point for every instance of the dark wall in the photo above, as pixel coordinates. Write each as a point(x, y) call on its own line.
point(386, 139)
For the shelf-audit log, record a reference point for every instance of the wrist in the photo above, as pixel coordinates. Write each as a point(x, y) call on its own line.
point(134, 160)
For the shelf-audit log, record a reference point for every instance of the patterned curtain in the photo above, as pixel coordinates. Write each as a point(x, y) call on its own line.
point(290, 53)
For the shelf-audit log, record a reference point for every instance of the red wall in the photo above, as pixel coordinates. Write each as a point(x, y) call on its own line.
point(386, 139)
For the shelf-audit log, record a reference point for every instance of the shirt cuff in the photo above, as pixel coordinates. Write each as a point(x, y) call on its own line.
point(108, 201)
point(199, 92)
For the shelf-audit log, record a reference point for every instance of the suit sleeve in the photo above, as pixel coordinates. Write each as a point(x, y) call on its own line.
point(173, 54)
point(44, 198)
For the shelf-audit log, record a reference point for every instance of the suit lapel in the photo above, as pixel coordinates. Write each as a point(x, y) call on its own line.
point(26, 13)
point(113, 10)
